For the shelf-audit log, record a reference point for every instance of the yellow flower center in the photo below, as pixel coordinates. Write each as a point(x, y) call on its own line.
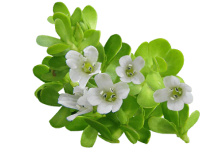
point(129, 71)
point(87, 67)
point(176, 93)
point(109, 96)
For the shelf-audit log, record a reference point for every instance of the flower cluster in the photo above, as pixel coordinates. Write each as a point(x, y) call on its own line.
point(108, 96)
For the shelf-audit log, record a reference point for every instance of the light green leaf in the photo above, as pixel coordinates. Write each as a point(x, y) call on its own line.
point(54, 75)
point(112, 47)
point(137, 122)
point(83, 26)
point(88, 137)
point(61, 31)
point(46, 60)
point(131, 134)
point(58, 63)
point(102, 129)
point(161, 125)
point(39, 70)
point(77, 124)
point(76, 16)
point(47, 41)
point(116, 132)
point(61, 7)
point(155, 81)
point(90, 16)
point(159, 64)
point(79, 35)
point(57, 48)
point(91, 40)
point(183, 116)
point(50, 19)
point(59, 119)
point(175, 61)
point(68, 88)
point(130, 106)
point(144, 134)
point(145, 97)
point(122, 117)
point(191, 121)
point(134, 88)
point(88, 33)
point(49, 96)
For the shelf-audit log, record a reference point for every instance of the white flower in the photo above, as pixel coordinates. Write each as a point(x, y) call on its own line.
point(77, 101)
point(130, 70)
point(82, 68)
point(107, 96)
point(176, 94)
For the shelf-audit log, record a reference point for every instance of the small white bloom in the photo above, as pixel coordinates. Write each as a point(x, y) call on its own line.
point(83, 67)
point(107, 96)
point(77, 101)
point(176, 94)
point(130, 70)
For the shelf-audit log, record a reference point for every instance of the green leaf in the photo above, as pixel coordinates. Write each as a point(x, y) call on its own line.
point(50, 19)
point(68, 88)
point(47, 41)
point(110, 141)
point(68, 32)
point(144, 135)
point(157, 112)
point(91, 40)
point(83, 26)
point(112, 47)
point(57, 48)
point(130, 106)
point(39, 70)
point(76, 16)
point(102, 129)
point(49, 96)
point(134, 88)
point(106, 121)
point(122, 117)
point(88, 33)
point(101, 57)
point(159, 64)
point(116, 132)
point(46, 60)
point(137, 122)
point(58, 63)
point(183, 116)
point(170, 115)
point(90, 16)
point(155, 81)
point(175, 61)
point(79, 35)
point(131, 134)
point(61, 7)
point(61, 31)
point(54, 75)
point(77, 124)
point(59, 119)
point(161, 125)
point(191, 121)
point(145, 97)
point(88, 137)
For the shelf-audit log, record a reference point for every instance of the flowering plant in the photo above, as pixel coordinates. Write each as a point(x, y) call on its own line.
point(109, 90)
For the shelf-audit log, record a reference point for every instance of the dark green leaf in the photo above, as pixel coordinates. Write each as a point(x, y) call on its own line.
point(77, 124)
point(76, 16)
point(47, 41)
point(131, 134)
point(46, 60)
point(144, 134)
point(130, 106)
point(101, 57)
point(39, 70)
point(57, 48)
point(90, 16)
point(58, 63)
point(54, 75)
point(137, 122)
point(68, 88)
point(88, 137)
point(61, 7)
point(122, 117)
point(49, 96)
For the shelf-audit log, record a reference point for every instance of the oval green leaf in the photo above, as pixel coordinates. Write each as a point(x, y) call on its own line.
point(122, 117)
point(77, 124)
point(144, 135)
point(47, 41)
point(88, 137)
point(155, 81)
point(61, 7)
point(54, 75)
point(130, 106)
point(76, 16)
point(131, 134)
point(90, 17)
point(137, 122)
point(39, 70)
point(159, 64)
point(57, 48)
point(58, 63)
point(191, 120)
point(49, 96)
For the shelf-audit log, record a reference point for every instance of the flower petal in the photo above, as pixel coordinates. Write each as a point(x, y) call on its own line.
point(75, 74)
point(97, 68)
point(74, 59)
point(104, 108)
point(187, 97)
point(171, 81)
point(83, 101)
point(175, 105)
point(68, 100)
point(126, 79)
point(120, 71)
point(138, 78)
point(117, 105)
point(138, 63)
point(91, 53)
point(104, 81)
point(121, 90)
point(185, 87)
point(72, 117)
point(84, 79)
point(125, 61)
point(161, 95)
point(94, 97)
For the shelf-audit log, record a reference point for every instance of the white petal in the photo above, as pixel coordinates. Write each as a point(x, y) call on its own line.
point(126, 79)
point(97, 68)
point(171, 81)
point(161, 95)
point(75, 74)
point(187, 97)
point(138, 78)
point(121, 90)
point(91, 53)
point(68, 100)
point(78, 89)
point(72, 117)
point(125, 61)
point(121, 72)
point(82, 100)
point(94, 97)
point(138, 63)
point(84, 79)
point(104, 81)
point(117, 105)
point(104, 108)
point(74, 59)
point(185, 87)
point(175, 105)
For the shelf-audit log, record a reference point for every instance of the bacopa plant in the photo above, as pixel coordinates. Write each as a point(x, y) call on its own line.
point(109, 90)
